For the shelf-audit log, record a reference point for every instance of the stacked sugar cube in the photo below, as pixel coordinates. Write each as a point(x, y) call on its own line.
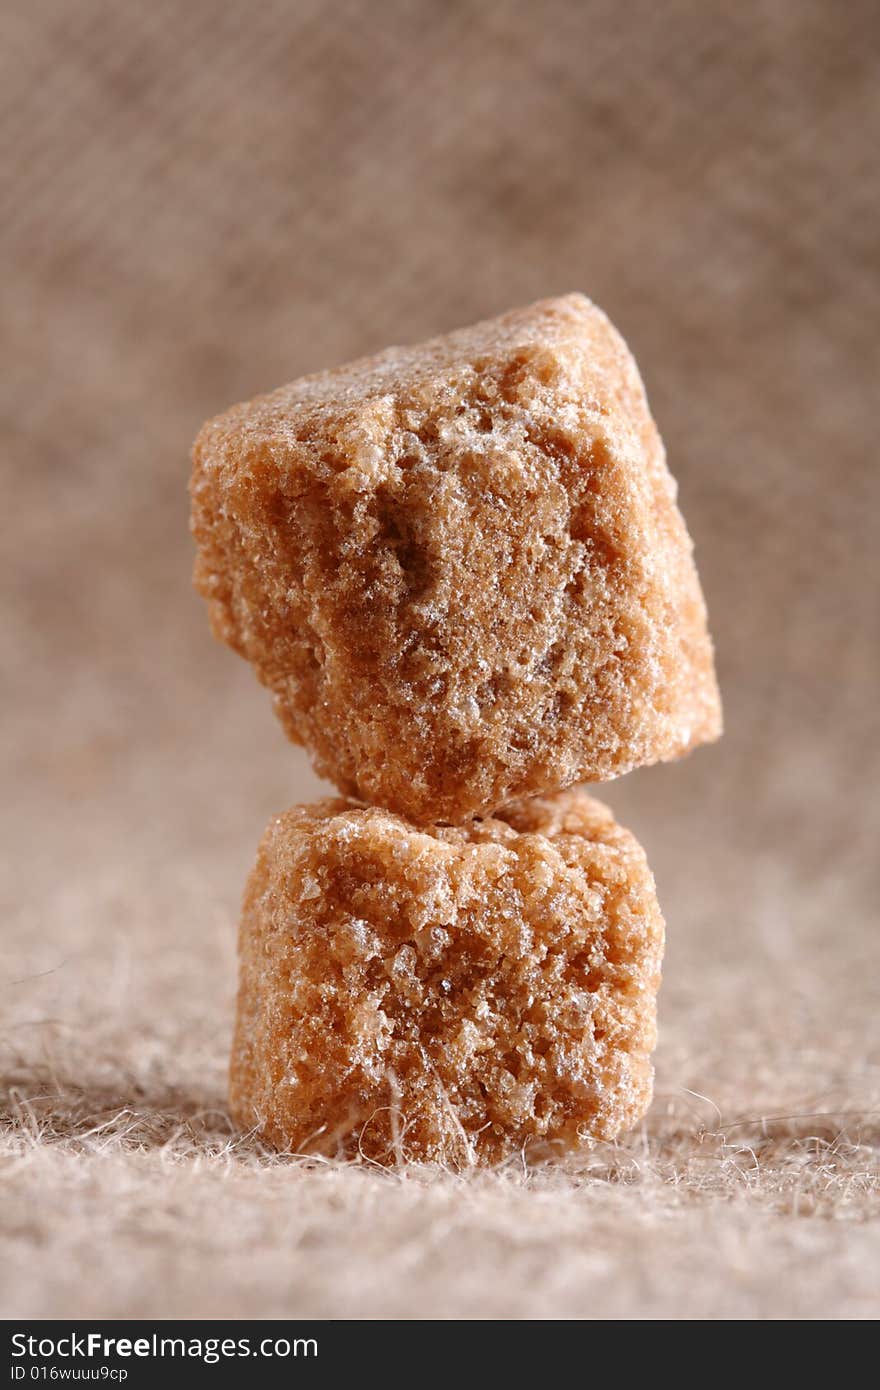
point(461, 571)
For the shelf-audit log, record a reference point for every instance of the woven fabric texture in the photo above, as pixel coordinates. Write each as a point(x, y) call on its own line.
point(202, 201)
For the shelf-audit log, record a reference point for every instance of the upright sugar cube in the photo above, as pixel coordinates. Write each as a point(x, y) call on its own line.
point(460, 567)
point(448, 994)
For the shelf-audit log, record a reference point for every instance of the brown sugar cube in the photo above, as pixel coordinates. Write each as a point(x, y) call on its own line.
point(454, 995)
point(460, 567)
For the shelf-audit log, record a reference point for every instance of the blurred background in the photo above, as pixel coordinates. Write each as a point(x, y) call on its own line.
point(203, 201)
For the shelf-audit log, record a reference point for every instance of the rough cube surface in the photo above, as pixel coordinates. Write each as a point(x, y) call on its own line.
point(446, 994)
point(460, 567)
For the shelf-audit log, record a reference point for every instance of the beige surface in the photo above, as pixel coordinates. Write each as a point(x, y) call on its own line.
point(198, 206)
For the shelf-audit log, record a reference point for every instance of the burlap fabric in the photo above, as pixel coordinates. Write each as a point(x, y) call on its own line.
point(201, 201)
